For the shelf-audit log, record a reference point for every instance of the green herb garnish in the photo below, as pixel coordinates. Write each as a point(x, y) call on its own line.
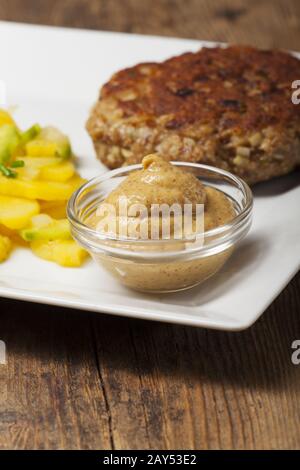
point(7, 171)
point(18, 164)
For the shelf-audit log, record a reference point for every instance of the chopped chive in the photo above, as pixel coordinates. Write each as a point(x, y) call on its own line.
point(12, 174)
point(18, 164)
point(7, 171)
point(4, 170)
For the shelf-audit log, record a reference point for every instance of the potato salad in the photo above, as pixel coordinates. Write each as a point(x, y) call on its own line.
point(37, 177)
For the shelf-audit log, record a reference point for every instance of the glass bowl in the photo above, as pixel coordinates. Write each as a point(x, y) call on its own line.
point(161, 266)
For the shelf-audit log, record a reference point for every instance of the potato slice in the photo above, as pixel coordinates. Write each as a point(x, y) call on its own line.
point(66, 253)
point(16, 213)
point(5, 248)
point(45, 190)
point(9, 142)
point(50, 142)
point(28, 173)
point(41, 221)
point(76, 181)
point(13, 235)
point(40, 148)
point(56, 210)
point(61, 172)
point(51, 230)
point(33, 162)
point(5, 118)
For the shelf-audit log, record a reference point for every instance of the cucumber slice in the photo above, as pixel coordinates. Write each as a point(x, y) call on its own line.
point(49, 143)
point(9, 141)
point(30, 134)
point(56, 230)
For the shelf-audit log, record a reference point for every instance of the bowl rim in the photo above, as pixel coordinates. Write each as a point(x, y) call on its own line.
point(88, 236)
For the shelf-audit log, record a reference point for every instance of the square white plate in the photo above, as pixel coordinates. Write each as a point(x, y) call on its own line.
point(53, 76)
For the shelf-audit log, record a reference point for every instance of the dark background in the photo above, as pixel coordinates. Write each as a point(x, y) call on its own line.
point(85, 381)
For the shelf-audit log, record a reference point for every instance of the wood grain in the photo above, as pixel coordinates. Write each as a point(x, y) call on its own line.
point(85, 381)
point(265, 23)
point(76, 380)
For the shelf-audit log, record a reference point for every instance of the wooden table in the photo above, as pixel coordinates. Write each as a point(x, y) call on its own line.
point(84, 381)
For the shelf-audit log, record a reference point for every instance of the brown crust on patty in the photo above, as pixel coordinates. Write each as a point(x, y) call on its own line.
point(228, 107)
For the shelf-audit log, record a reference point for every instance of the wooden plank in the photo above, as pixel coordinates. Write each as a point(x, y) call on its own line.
point(258, 22)
point(52, 396)
point(150, 385)
point(176, 387)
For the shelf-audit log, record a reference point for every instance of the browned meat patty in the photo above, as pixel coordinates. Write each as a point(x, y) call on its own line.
point(226, 107)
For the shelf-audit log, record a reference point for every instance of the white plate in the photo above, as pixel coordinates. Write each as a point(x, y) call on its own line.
point(54, 75)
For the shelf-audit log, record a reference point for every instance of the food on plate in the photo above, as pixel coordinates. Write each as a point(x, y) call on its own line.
point(16, 213)
point(51, 240)
point(66, 253)
point(35, 188)
point(37, 177)
point(9, 141)
point(62, 172)
point(5, 247)
point(47, 168)
point(6, 118)
point(227, 107)
point(50, 142)
point(159, 182)
point(13, 235)
point(166, 263)
point(56, 209)
point(43, 227)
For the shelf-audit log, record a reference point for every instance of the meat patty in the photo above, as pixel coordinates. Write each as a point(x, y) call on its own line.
point(227, 107)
